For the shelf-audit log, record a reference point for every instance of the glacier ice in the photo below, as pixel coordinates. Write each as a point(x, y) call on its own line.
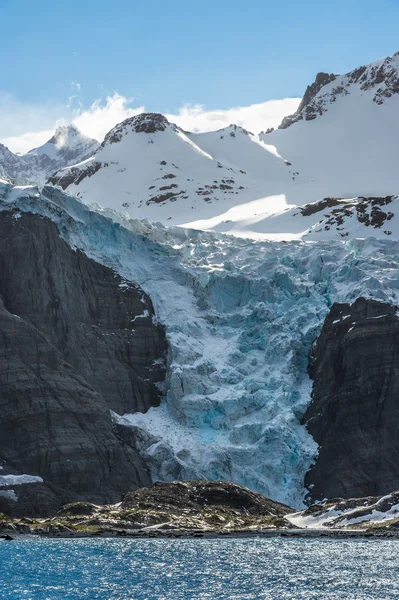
point(240, 317)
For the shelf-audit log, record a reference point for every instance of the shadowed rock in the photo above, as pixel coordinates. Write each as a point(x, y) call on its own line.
point(75, 342)
point(354, 411)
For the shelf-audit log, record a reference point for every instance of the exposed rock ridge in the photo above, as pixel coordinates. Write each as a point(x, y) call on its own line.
point(382, 77)
point(142, 123)
point(337, 213)
point(307, 108)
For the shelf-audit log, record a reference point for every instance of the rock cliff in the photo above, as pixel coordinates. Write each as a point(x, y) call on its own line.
point(76, 342)
point(354, 413)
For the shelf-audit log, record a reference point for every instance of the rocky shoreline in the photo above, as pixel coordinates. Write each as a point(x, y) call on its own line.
point(209, 509)
point(205, 534)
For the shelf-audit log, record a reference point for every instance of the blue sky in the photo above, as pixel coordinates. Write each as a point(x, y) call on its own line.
point(166, 54)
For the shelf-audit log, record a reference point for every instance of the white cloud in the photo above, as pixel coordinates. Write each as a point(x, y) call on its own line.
point(24, 126)
point(254, 118)
point(102, 116)
point(27, 141)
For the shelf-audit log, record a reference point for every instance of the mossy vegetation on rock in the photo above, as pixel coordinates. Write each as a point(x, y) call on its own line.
point(207, 506)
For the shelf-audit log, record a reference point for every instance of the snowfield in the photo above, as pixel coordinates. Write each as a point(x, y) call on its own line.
point(240, 319)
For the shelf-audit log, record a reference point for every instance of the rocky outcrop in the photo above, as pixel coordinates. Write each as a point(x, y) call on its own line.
point(142, 123)
point(342, 214)
point(381, 78)
point(75, 175)
point(180, 507)
point(354, 411)
point(307, 108)
point(371, 513)
point(76, 341)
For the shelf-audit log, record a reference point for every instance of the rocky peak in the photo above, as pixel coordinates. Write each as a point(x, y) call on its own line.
point(142, 123)
point(234, 129)
point(63, 133)
point(306, 105)
point(380, 77)
point(149, 123)
point(66, 139)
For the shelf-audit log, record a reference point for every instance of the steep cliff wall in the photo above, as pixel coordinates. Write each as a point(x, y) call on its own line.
point(354, 413)
point(75, 342)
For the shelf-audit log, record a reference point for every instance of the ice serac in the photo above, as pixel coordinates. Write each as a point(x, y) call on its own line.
point(354, 411)
point(76, 341)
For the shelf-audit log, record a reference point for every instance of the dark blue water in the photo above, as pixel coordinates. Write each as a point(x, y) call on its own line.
point(250, 569)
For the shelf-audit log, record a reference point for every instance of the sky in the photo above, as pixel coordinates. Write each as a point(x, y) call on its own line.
point(202, 62)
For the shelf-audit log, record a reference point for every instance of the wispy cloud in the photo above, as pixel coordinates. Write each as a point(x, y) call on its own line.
point(255, 118)
point(101, 116)
point(24, 126)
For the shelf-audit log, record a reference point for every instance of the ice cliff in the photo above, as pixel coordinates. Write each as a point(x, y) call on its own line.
point(240, 317)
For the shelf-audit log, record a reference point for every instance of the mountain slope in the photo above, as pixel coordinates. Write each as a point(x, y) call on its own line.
point(149, 168)
point(14, 167)
point(67, 146)
point(343, 138)
point(341, 144)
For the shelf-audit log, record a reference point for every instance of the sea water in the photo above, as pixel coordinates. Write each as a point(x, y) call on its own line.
point(200, 569)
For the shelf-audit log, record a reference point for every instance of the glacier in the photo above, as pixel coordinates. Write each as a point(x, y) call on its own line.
point(240, 317)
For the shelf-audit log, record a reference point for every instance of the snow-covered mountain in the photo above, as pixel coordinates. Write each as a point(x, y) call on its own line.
point(14, 167)
point(341, 143)
point(67, 146)
point(344, 141)
point(150, 168)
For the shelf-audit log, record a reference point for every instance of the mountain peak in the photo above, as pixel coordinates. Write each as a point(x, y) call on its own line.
point(143, 123)
point(380, 78)
point(149, 123)
point(232, 129)
point(65, 135)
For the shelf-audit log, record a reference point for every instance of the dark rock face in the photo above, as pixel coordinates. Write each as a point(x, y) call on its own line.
point(371, 212)
point(306, 108)
point(143, 123)
point(75, 175)
point(354, 413)
point(76, 341)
